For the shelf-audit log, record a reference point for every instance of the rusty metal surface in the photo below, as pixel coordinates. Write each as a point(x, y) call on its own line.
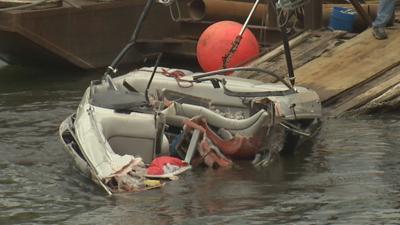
point(226, 10)
point(45, 5)
point(92, 36)
point(87, 38)
point(313, 15)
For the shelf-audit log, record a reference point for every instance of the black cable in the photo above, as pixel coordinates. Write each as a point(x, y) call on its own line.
point(146, 92)
point(288, 56)
point(132, 41)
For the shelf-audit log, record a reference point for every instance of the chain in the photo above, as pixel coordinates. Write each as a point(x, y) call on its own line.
point(227, 58)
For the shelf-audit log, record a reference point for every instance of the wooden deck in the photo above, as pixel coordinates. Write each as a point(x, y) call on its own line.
point(347, 76)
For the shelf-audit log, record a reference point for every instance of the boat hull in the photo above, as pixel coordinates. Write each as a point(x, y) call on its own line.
point(71, 146)
point(115, 124)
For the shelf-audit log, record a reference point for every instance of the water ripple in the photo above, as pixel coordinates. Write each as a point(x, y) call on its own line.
point(349, 175)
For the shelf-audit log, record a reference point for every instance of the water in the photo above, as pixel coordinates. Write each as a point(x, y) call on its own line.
point(349, 175)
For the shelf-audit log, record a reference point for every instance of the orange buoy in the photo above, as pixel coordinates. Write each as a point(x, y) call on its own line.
point(216, 41)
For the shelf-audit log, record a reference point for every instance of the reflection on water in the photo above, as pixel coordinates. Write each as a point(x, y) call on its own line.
point(2, 63)
point(349, 175)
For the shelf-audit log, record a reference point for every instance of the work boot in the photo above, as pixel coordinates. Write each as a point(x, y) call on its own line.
point(379, 33)
point(390, 23)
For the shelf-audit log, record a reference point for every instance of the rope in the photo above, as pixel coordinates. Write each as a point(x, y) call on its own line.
point(177, 74)
point(235, 44)
point(290, 11)
point(291, 4)
point(227, 58)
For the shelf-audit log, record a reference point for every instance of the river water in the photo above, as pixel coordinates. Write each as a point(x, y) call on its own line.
point(348, 175)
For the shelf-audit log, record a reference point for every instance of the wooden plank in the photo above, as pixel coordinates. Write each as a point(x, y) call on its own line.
point(349, 64)
point(272, 54)
point(313, 47)
point(304, 54)
point(376, 80)
point(279, 50)
point(365, 96)
point(388, 101)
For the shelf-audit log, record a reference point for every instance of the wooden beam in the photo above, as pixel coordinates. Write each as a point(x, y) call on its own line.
point(279, 50)
point(361, 12)
point(389, 100)
point(366, 96)
point(305, 48)
point(313, 15)
point(350, 64)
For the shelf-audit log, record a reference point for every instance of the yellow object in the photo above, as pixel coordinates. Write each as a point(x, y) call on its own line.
point(152, 183)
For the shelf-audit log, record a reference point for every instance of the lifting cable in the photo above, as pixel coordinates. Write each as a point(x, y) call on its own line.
point(235, 44)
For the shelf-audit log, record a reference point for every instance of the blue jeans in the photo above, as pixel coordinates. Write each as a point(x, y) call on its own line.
point(385, 13)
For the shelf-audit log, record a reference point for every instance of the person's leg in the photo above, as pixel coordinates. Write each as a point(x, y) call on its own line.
point(385, 13)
